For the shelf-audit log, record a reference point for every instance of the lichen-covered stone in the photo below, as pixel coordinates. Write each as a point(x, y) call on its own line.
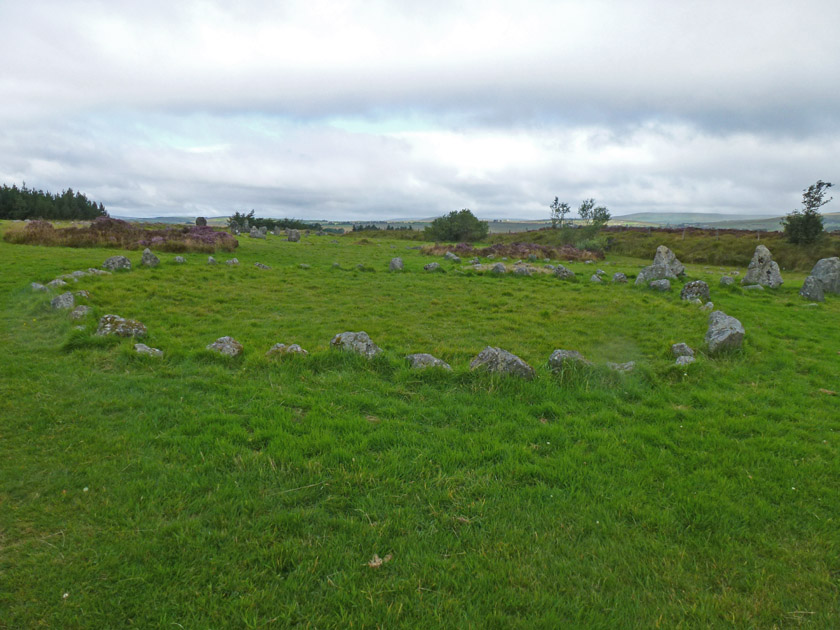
point(665, 266)
point(115, 263)
point(827, 273)
point(452, 257)
point(695, 290)
point(619, 278)
point(563, 273)
point(227, 346)
point(682, 350)
point(422, 360)
point(149, 259)
point(281, 349)
point(58, 282)
point(724, 333)
point(561, 359)
point(65, 300)
point(396, 264)
point(685, 360)
point(293, 236)
point(37, 286)
point(433, 267)
point(232, 261)
point(180, 260)
point(622, 367)
point(498, 269)
point(119, 326)
point(661, 285)
point(812, 289)
point(80, 312)
point(501, 362)
point(142, 348)
point(261, 266)
point(211, 260)
point(763, 270)
point(358, 342)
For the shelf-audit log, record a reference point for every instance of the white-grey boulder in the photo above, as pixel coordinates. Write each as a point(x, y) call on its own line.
point(661, 285)
point(724, 333)
point(358, 342)
point(148, 259)
point(142, 348)
point(396, 264)
point(763, 270)
point(827, 273)
point(227, 346)
point(423, 360)
point(282, 349)
point(665, 265)
point(121, 327)
point(501, 362)
point(65, 300)
point(812, 289)
point(561, 359)
point(115, 263)
point(80, 312)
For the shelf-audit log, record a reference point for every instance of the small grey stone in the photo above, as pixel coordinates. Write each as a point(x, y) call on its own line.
point(622, 367)
point(304, 266)
point(358, 342)
point(283, 349)
point(522, 270)
point(549, 267)
point(180, 260)
point(600, 272)
point(546, 260)
point(682, 350)
point(595, 278)
point(259, 265)
point(423, 360)
point(563, 273)
point(498, 268)
point(80, 312)
point(142, 348)
point(65, 300)
point(83, 294)
point(37, 286)
point(336, 265)
point(79, 274)
point(227, 346)
point(58, 282)
point(685, 360)
point(116, 325)
point(211, 260)
point(98, 272)
point(432, 267)
point(452, 257)
point(812, 289)
point(149, 259)
point(661, 285)
point(695, 290)
point(232, 261)
point(726, 281)
point(588, 262)
point(560, 359)
point(724, 332)
point(293, 236)
point(708, 306)
point(619, 278)
point(475, 261)
point(117, 262)
point(502, 362)
point(396, 264)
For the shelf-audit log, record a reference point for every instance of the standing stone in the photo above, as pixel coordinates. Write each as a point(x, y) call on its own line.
point(561, 359)
point(661, 285)
point(358, 342)
point(200, 221)
point(665, 265)
point(763, 270)
point(116, 325)
point(227, 346)
point(563, 273)
point(117, 262)
point(255, 233)
point(65, 300)
point(263, 231)
point(812, 290)
point(423, 360)
point(827, 273)
point(180, 260)
point(619, 278)
point(501, 362)
point(724, 333)
point(695, 290)
point(293, 236)
point(149, 259)
point(396, 264)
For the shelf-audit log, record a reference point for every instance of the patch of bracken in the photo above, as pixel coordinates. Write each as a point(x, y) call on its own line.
point(516, 250)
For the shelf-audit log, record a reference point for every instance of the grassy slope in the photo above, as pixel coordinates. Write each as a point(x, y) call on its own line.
point(204, 492)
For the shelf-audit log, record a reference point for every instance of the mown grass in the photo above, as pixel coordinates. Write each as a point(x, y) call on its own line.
point(199, 491)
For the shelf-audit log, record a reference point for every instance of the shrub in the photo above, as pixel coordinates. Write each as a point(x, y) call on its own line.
point(804, 226)
point(457, 226)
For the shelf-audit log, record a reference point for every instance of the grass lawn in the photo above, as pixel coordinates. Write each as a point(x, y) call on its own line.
point(199, 491)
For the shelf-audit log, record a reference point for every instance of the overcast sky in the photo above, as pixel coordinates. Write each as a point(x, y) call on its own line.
point(375, 109)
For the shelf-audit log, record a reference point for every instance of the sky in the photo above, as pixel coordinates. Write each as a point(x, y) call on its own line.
point(372, 110)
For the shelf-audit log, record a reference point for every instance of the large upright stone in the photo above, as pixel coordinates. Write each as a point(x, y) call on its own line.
point(827, 273)
point(501, 362)
point(763, 270)
point(665, 266)
point(255, 233)
point(812, 290)
point(200, 221)
point(396, 264)
point(293, 236)
point(724, 333)
point(358, 342)
point(117, 262)
point(149, 259)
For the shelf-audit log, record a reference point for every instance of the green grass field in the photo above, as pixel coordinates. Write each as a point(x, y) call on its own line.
point(196, 491)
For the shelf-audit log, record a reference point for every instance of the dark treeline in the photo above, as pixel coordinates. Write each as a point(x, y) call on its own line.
point(361, 227)
point(269, 224)
point(26, 203)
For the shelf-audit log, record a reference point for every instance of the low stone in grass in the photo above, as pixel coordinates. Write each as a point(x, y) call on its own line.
point(498, 269)
point(753, 287)
point(422, 360)
point(119, 326)
point(763, 270)
point(65, 300)
point(98, 272)
point(563, 273)
point(227, 346)
point(522, 270)
point(724, 333)
point(812, 290)
point(452, 257)
point(80, 312)
point(149, 259)
point(561, 359)
point(619, 278)
point(501, 362)
point(433, 267)
point(708, 306)
point(232, 261)
point(682, 350)
point(396, 264)
point(115, 263)
point(58, 282)
point(685, 360)
point(305, 266)
point(475, 261)
point(83, 294)
point(358, 342)
point(281, 349)
point(180, 260)
point(261, 266)
point(727, 281)
point(695, 290)
point(661, 285)
point(78, 274)
point(211, 260)
point(595, 278)
point(622, 367)
point(142, 348)
point(37, 286)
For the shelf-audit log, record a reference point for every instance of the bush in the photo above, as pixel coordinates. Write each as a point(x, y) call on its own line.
point(462, 226)
point(804, 226)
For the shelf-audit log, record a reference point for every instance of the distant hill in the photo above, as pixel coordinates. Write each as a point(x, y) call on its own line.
point(684, 218)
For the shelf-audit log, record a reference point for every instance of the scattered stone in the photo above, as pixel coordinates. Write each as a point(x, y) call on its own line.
point(475, 261)
point(305, 266)
point(115, 263)
point(522, 270)
point(560, 359)
point(180, 260)
point(201, 222)
point(665, 266)
point(65, 300)
point(227, 346)
point(501, 362)
point(255, 233)
point(98, 272)
point(661, 285)
point(595, 278)
point(726, 281)
point(452, 257)
point(498, 268)
point(622, 367)
point(708, 306)
point(142, 348)
point(358, 342)
point(600, 272)
point(37, 286)
point(149, 259)
point(211, 260)
point(827, 273)
point(80, 312)
point(293, 236)
point(563, 273)
point(433, 267)
point(259, 265)
point(283, 349)
point(423, 360)
point(232, 261)
point(724, 333)
point(753, 287)
point(763, 270)
point(78, 274)
point(685, 360)
point(812, 289)
point(588, 262)
point(83, 294)
point(619, 278)
point(58, 282)
point(695, 290)
point(116, 325)
point(396, 264)
point(549, 267)
point(682, 350)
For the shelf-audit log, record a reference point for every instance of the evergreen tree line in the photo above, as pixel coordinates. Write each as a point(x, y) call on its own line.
point(26, 203)
point(269, 224)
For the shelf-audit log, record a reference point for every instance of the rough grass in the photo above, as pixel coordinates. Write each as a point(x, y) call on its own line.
point(199, 491)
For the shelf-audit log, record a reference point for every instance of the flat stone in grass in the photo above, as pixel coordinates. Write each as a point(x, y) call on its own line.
point(149, 259)
point(724, 333)
point(37, 286)
point(305, 266)
point(396, 264)
point(142, 348)
point(501, 362)
point(232, 261)
point(763, 270)
point(812, 290)
point(685, 360)
point(98, 272)
point(80, 312)
point(58, 282)
point(561, 359)
point(619, 278)
point(695, 290)
point(180, 260)
point(261, 266)
point(682, 350)
point(661, 285)
point(563, 273)
point(433, 267)
point(115, 263)
point(83, 294)
point(422, 360)
point(726, 281)
point(78, 274)
point(522, 270)
point(281, 349)
point(622, 367)
point(119, 326)
point(227, 346)
point(65, 300)
point(357, 342)
point(753, 287)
